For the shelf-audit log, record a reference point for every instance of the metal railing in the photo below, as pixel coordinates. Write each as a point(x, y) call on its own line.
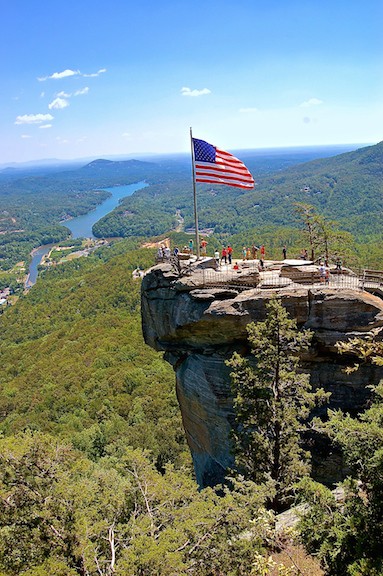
point(272, 279)
point(250, 276)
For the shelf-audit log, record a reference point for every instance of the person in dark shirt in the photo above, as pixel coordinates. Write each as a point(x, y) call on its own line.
point(229, 253)
point(254, 251)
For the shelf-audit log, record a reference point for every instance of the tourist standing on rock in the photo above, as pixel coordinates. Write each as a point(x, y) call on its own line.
point(203, 247)
point(244, 251)
point(191, 246)
point(229, 253)
point(284, 252)
point(254, 252)
point(224, 255)
point(216, 257)
point(262, 252)
point(322, 272)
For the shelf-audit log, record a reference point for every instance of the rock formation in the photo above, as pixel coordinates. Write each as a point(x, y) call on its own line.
point(199, 319)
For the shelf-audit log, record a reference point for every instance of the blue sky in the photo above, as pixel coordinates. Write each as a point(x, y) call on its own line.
point(96, 79)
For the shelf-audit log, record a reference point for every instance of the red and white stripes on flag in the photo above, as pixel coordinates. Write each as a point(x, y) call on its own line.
point(216, 166)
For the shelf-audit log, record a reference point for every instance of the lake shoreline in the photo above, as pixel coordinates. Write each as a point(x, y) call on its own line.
point(81, 226)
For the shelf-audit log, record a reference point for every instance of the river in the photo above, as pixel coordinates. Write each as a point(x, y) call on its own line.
point(37, 255)
point(81, 227)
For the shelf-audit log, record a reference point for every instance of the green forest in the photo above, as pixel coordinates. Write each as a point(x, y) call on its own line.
point(96, 477)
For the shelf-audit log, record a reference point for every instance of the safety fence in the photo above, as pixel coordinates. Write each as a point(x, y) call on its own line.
point(248, 275)
point(273, 279)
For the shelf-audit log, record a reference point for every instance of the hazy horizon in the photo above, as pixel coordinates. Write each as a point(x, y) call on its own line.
point(139, 155)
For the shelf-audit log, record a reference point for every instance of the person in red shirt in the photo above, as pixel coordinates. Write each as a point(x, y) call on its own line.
point(262, 251)
point(203, 247)
point(224, 255)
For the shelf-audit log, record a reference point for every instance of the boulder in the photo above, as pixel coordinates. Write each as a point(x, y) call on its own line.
point(301, 274)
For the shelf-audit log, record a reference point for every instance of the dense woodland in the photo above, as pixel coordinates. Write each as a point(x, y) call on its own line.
point(95, 474)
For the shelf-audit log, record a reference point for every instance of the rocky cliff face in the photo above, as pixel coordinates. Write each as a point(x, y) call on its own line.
point(199, 327)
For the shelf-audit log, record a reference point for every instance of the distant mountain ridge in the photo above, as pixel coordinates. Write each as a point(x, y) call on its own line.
point(371, 156)
point(102, 164)
point(347, 187)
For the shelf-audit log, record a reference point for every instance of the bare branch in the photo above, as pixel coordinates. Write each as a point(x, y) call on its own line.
point(98, 566)
point(112, 547)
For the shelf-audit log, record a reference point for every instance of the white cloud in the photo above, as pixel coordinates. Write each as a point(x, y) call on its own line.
point(248, 110)
point(24, 136)
point(45, 126)
point(68, 72)
point(95, 74)
point(66, 95)
point(311, 102)
point(64, 74)
point(58, 104)
point(33, 118)
point(58, 75)
point(185, 91)
point(81, 92)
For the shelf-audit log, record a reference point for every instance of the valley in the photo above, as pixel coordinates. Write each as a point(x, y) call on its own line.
point(114, 454)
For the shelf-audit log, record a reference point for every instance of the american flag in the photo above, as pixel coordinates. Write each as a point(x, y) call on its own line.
point(219, 167)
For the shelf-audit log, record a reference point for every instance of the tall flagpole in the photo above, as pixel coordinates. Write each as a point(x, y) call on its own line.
point(195, 197)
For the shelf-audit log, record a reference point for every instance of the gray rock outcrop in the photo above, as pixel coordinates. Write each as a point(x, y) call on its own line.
point(200, 319)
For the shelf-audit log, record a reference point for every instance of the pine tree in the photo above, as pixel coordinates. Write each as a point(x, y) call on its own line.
point(347, 536)
point(326, 240)
point(272, 402)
